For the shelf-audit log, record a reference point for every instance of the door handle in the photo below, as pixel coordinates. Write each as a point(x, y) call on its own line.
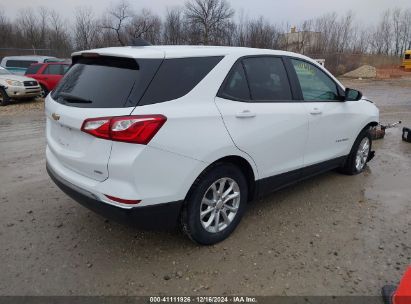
point(316, 111)
point(246, 114)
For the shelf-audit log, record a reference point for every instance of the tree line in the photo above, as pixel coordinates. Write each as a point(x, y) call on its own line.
point(206, 22)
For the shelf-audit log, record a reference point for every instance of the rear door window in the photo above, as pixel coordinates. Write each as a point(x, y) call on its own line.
point(267, 79)
point(53, 69)
point(106, 82)
point(177, 77)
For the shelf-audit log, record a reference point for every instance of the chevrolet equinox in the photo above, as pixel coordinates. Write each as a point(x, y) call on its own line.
point(166, 135)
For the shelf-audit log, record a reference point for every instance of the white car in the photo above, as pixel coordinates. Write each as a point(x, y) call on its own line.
point(161, 135)
point(16, 87)
point(19, 64)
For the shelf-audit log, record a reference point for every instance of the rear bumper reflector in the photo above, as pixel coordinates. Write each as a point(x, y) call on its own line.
point(123, 201)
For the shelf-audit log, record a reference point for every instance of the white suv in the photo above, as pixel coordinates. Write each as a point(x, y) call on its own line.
point(159, 135)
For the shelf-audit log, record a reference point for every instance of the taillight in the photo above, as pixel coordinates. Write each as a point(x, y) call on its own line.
point(138, 129)
point(98, 127)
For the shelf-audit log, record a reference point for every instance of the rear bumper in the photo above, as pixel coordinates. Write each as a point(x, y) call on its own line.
point(161, 216)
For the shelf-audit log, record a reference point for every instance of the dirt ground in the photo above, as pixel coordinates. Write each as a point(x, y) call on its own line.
point(330, 235)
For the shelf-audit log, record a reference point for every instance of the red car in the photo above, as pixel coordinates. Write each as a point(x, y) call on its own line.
point(48, 74)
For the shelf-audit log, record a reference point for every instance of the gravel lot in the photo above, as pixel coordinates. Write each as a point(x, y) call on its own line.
point(330, 235)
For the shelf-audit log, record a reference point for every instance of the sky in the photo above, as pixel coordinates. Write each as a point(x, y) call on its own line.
point(277, 11)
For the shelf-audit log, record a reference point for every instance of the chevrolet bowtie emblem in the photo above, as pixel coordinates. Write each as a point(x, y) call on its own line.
point(55, 116)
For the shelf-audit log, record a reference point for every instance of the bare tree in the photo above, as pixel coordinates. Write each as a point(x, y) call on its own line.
point(240, 34)
point(384, 33)
point(261, 34)
point(59, 37)
point(306, 38)
point(116, 20)
point(326, 25)
point(203, 22)
point(345, 31)
point(85, 28)
point(6, 30)
point(208, 17)
point(144, 25)
point(406, 22)
point(397, 29)
point(33, 26)
point(174, 26)
point(361, 40)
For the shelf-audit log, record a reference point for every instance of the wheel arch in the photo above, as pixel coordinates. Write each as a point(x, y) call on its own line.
point(345, 167)
point(245, 168)
point(44, 84)
point(371, 124)
point(240, 162)
point(368, 125)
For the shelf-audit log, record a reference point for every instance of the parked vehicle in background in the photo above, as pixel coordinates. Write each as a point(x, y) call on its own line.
point(16, 87)
point(48, 75)
point(158, 135)
point(19, 64)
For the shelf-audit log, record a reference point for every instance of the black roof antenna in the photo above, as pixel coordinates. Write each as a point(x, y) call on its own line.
point(140, 42)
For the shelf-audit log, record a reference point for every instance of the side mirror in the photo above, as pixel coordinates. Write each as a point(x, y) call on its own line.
point(352, 95)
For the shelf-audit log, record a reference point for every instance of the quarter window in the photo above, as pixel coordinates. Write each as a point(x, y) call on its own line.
point(177, 77)
point(315, 84)
point(268, 79)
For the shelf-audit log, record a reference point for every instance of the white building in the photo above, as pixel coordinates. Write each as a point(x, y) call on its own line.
point(300, 42)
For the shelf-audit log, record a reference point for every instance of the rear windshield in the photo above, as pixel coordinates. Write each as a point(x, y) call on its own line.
point(33, 69)
point(106, 82)
point(112, 82)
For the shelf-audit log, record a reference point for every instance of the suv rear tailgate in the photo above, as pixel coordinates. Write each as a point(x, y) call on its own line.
point(94, 87)
point(74, 149)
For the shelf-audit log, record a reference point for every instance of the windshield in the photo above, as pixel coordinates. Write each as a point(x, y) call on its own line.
point(4, 72)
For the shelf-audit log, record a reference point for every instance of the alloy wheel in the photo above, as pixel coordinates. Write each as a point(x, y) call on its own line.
point(220, 205)
point(42, 92)
point(362, 154)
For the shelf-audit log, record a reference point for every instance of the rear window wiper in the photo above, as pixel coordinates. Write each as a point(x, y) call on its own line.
point(73, 98)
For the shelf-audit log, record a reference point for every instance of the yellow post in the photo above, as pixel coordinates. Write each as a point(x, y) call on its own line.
point(406, 64)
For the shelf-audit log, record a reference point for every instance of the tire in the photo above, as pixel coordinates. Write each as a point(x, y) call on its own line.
point(44, 91)
point(359, 155)
point(203, 197)
point(4, 98)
